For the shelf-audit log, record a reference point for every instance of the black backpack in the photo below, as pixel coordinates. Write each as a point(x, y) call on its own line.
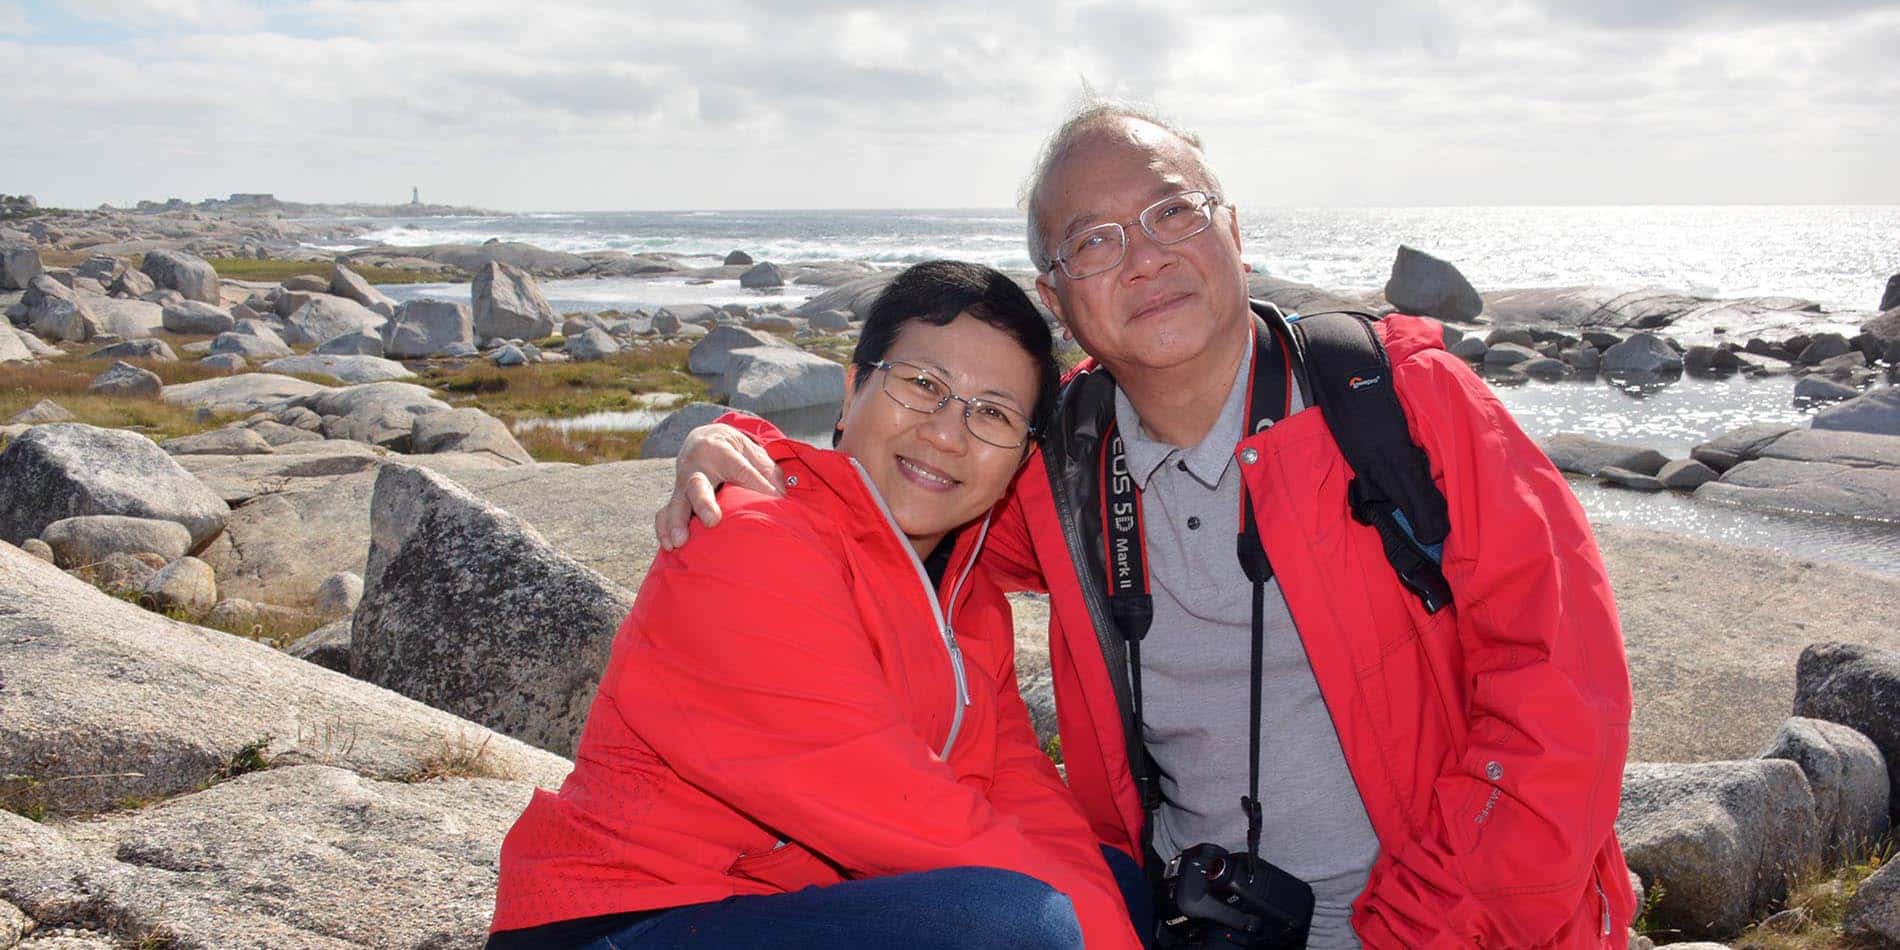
point(1349, 378)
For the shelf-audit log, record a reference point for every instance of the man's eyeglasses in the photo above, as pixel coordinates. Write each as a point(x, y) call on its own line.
point(920, 390)
point(1168, 221)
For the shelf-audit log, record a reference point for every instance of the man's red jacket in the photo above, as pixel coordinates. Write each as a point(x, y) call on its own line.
point(1487, 741)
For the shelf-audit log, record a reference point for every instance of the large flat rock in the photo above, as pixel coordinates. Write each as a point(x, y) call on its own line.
point(305, 856)
point(1821, 488)
point(148, 707)
point(243, 393)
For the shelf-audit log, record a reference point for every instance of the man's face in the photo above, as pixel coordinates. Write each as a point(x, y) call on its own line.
point(1163, 305)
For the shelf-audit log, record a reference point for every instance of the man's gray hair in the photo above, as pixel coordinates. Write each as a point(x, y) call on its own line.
point(1093, 115)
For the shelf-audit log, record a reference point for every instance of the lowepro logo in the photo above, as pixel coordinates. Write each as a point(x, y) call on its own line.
point(1361, 382)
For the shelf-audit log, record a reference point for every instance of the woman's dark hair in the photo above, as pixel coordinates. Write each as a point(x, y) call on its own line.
point(937, 292)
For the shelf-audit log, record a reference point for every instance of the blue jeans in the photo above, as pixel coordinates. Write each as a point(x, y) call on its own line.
point(926, 910)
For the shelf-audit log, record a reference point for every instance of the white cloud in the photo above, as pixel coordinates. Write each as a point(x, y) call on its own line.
point(576, 104)
point(13, 20)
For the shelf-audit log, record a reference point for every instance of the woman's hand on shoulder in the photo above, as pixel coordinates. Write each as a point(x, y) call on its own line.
point(712, 455)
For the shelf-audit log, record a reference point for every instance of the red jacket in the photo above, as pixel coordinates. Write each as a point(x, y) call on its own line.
point(774, 716)
point(1487, 741)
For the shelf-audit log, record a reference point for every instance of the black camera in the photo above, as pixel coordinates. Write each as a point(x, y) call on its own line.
point(1221, 898)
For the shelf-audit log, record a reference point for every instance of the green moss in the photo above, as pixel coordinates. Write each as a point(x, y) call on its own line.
point(244, 268)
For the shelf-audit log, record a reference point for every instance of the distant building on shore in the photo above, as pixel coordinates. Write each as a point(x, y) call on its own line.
point(254, 198)
point(415, 195)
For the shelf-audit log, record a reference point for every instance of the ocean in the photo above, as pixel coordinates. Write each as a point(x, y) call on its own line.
point(1838, 256)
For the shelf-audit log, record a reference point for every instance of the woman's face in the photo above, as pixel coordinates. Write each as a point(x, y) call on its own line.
point(932, 472)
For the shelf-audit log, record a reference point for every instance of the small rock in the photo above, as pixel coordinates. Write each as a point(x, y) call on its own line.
point(186, 585)
point(251, 346)
point(830, 321)
point(1873, 913)
point(741, 258)
point(510, 355)
point(425, 328)
point(1518, 335)
point(116, 572)
point(196, 316)
point(1858, 687)
point(190, 275)
point(354, 343)
point(1643, 354)
point(1544, 368)
point(40, 413)
point(1876, 412)
point(1685, 475)
point(91, 538)
point(1612, 475)
point(1584, 358)
point(125, 380)
point(1810, 390)
point(38, 549)
point(1505, 355)
point(19, 264)
point(1600, 339)
point(307, 283)
point(230, 440)
point(339, 594)
point(1891, 298)
point(1423, 284)
point(1710, 361)
point(1823, 346)
point(763, 275)
point(665, 439)
point(1848, 777)
point(327, 646)
point(1583, 455)
point(234, 614)
point(508, 304)
point(147, 349)
point(225, 362)
point(593, 344)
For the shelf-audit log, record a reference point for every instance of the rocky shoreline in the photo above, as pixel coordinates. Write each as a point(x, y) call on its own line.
point(280, 663)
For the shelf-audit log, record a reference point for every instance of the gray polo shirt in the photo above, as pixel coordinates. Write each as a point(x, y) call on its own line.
point(1195, 663)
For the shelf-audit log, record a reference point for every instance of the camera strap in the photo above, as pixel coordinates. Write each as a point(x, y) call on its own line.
point(1131, 602)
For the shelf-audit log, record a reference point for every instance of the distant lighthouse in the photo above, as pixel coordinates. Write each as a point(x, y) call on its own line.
point(415, 195)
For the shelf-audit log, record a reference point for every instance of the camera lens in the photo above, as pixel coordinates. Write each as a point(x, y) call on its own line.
point(1217, 868)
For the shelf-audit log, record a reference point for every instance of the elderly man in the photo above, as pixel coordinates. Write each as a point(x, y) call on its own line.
point(1424, 777)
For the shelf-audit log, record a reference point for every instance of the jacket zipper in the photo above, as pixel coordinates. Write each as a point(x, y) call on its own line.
point(930, 594)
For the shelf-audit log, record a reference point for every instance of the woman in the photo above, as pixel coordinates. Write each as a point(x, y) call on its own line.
point(809, 733)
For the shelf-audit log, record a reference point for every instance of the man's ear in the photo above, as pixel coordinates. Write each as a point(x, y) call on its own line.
point(1233, 231)
point(1046, 292)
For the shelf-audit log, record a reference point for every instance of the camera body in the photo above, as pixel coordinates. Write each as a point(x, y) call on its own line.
point(1224, 898)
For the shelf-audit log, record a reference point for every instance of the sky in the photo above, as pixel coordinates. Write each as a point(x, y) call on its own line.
point(574, 105)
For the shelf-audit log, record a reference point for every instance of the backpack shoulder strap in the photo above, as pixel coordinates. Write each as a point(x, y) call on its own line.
point(1349, 377)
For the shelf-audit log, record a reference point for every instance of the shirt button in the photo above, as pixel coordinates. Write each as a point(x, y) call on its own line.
point(1248, 456)
point(1180, 464)
point(1194, 523)
point(1493, 771)
point(791, 481)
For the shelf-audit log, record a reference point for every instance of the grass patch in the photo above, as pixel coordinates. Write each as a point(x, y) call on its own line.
point(23, 795)
point(244, 268)
point(564, 390)
point(248, 758)
point(64, 382)
point(1818, 902)
point(460, 757)
point(584, 447)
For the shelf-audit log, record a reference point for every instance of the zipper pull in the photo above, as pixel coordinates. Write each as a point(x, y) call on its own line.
point(1604, 899)
point(956, 662)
